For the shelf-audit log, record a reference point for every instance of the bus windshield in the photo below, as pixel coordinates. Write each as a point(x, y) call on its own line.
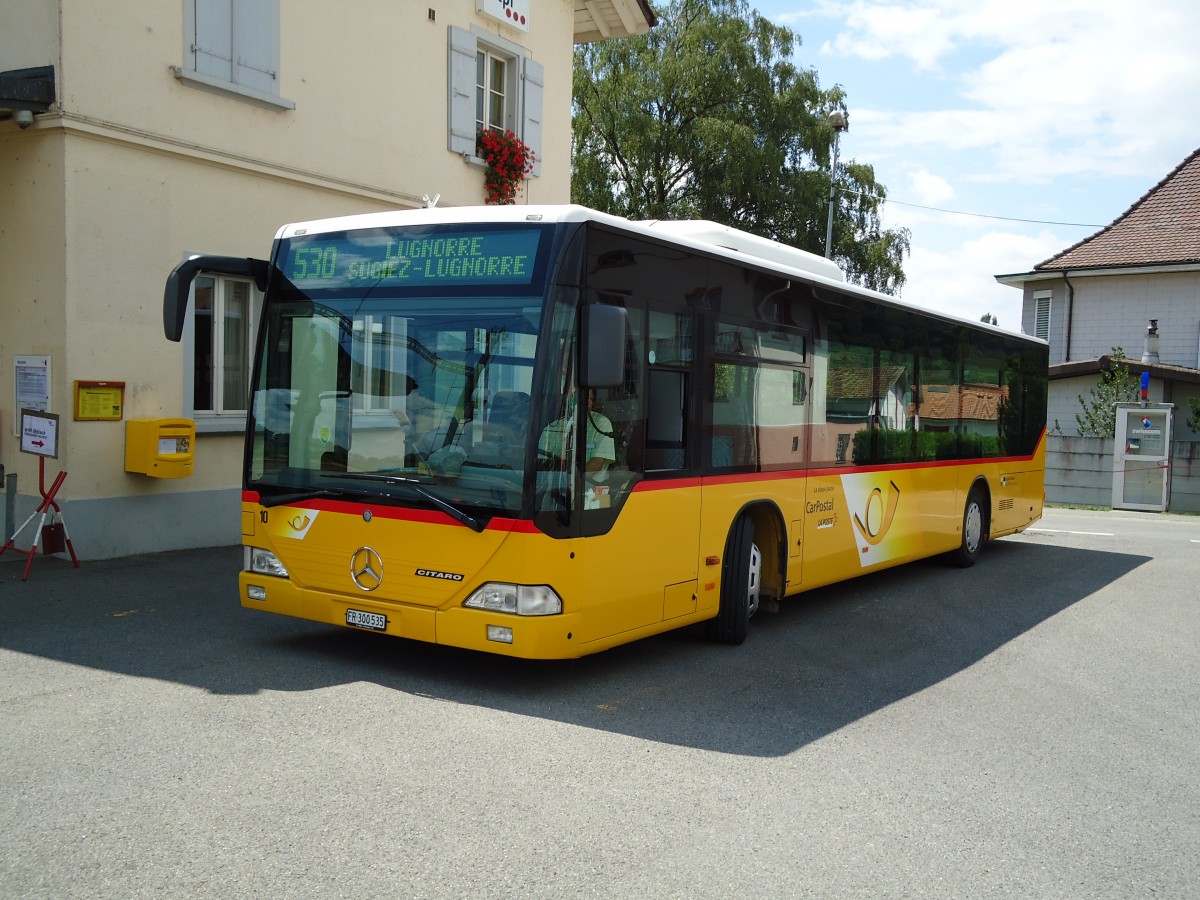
point(397, 365)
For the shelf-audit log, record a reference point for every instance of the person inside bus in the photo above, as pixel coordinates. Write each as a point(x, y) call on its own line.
point(600, 450)
point(498, 441)
point(424, 434)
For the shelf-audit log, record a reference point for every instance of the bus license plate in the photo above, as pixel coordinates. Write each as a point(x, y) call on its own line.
point(360, 619)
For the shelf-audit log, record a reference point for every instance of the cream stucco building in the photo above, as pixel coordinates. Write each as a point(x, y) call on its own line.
point(133, 134)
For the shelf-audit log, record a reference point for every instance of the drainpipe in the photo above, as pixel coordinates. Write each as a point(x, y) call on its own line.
point(1070, 313)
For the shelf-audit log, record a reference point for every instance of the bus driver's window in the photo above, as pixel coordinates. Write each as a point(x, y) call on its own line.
point(669, 355)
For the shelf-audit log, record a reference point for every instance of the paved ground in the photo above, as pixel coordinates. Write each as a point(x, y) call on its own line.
point(1029, 727)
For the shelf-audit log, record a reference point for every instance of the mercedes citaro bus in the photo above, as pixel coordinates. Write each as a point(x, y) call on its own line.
point(543, 431)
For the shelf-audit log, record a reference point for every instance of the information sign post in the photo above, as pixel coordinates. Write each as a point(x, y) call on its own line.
point(39, 436)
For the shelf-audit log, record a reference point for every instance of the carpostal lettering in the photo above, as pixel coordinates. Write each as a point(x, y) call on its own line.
point(433, 573)
point(822, 506)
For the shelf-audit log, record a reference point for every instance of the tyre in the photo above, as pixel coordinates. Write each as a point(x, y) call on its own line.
point(741, 576)
point(974, 529)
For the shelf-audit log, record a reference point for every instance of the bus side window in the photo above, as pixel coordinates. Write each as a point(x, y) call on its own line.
point(665, 418)
point(624, 407)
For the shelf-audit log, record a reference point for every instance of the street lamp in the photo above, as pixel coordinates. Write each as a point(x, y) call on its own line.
point(840, 123)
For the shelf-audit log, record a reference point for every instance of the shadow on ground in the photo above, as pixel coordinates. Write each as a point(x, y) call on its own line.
point(826, 659)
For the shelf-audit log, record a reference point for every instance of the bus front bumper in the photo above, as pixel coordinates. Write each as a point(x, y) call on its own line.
point(528, 637)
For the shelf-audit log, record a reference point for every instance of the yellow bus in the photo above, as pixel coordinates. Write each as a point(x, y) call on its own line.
point(546, 431)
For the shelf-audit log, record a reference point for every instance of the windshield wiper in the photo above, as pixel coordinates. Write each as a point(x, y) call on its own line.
point(316, 494)
point(415, 484)
point(295, 497)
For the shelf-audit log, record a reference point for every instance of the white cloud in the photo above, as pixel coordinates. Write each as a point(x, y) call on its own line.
point(876, 30)
point(958, 276)
point(1049, 112)
point(929, 188)
point(1061, 87)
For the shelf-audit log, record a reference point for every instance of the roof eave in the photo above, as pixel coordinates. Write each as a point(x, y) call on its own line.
point(602, 20)
point(1055, 274)
point(1096, 366)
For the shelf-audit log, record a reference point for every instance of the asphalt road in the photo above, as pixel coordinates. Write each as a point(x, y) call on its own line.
point(1026, 728)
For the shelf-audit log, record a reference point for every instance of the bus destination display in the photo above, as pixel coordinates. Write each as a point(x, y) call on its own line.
point(437, 258)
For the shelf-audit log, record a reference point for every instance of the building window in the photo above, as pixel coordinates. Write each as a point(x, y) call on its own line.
point(225, 313)
point(232, 47)
point(491, 91)
point(493, 84)
point(1041, 316)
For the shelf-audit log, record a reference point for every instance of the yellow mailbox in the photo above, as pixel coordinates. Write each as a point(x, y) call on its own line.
point(161, 448)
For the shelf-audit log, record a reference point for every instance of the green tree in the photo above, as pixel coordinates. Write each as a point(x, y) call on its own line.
point(989, 319)
point(1117, 384)
point(709, 117)
point(1193, 420)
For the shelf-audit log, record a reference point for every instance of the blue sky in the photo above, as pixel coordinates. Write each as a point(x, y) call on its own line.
point(1028, 115)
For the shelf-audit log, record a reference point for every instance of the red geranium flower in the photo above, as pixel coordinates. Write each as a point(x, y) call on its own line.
point(508, 159)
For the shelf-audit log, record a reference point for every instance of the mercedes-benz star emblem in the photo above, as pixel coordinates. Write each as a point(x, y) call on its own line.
point(366, 568)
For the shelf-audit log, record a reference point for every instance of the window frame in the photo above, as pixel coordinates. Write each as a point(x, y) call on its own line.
point(221, 418)
point(486, 89)
point(524, 81)
point(1042, 299)
point(254, 30)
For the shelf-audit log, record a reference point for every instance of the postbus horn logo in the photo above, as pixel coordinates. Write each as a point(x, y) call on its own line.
point(878, 516)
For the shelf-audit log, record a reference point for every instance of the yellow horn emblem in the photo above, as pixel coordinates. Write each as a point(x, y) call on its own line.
point(879, 519)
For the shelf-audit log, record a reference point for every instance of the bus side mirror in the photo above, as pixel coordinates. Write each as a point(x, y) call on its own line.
point(179, 284)
point(603, 357)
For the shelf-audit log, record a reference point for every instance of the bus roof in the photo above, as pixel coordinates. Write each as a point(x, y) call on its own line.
point(709, 237)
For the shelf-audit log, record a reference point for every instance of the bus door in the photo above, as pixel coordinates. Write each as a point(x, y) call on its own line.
point(642, 515)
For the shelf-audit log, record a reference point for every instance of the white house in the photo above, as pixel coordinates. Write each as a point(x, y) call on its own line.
point(1141, 274)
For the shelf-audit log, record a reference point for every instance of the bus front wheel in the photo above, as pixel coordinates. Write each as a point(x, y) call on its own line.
point(974, 529)
point(741, 576)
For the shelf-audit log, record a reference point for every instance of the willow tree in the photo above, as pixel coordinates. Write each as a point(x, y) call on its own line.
point(709, 116)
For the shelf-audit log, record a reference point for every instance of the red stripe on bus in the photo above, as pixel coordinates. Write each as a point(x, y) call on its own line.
point(428, 516)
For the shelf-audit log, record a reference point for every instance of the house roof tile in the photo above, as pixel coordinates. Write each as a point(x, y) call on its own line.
point(862, 383)
point(971, 401)
point(1161, 228)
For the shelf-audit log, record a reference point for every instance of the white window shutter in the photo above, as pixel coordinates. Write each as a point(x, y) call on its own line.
point(461, 104)
point(1041, 320)
point(213, 48)
point(256, 45)
point(535, 81)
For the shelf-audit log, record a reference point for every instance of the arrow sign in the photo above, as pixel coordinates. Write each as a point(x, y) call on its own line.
point(39, 433)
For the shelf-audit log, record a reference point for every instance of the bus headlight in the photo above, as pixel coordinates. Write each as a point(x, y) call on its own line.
point(518, 599)
point(264, 562)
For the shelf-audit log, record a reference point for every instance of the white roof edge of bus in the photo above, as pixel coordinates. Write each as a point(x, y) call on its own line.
point(698, 234)
point(745, 243)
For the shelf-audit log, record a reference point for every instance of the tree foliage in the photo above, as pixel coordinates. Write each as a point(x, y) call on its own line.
point(1117, 384)
point(709, 117)
point(1193, 420)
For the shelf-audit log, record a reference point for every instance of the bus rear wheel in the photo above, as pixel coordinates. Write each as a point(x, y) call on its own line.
point(974, 530)
point(741, 577)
